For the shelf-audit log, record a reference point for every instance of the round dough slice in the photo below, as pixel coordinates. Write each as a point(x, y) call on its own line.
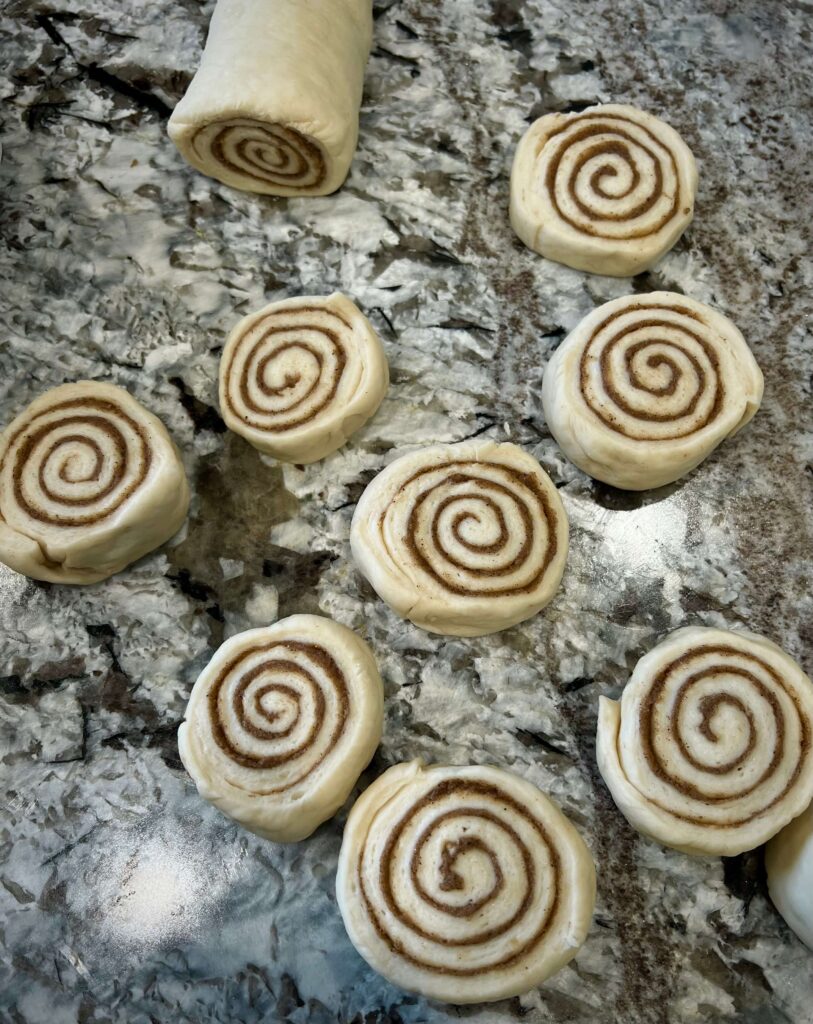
point(463, 539)
point(280, 724)
point(789, 860)
point(89, 482)
point(301, 375)
point(463, 884)
point(608, 190)
point(709, 749)
point(647, 386)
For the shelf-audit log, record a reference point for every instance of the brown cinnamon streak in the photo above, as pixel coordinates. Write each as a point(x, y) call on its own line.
point(652, 321)
point(245, 379)
point(308, 168)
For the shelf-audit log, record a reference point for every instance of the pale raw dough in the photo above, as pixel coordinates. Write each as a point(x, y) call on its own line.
point(463, 884)
point(463, 539)
point(274, 106)
point(89, 482)
point(789, 860)
point(608, 190)
point(280, 724)
point(301, 375)
point(709, 749)
point(647, 386)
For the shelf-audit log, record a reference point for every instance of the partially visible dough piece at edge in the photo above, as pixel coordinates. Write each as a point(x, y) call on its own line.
point(789, 860)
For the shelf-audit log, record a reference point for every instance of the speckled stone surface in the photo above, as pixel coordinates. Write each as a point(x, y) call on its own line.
point(125, 898)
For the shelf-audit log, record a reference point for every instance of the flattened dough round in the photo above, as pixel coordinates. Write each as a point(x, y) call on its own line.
point(463, 884)
point(608, 190)
point(463, 539)
point(89, 482)
point(280, 724)
point(647, 386)
point(301, 375)
point(709, 749)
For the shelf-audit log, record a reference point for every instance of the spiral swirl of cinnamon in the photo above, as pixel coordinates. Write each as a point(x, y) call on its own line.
point(76, 462)
point(286, 368)
point(299, 376)
point(279, 703)
point(464, 884)
point(647, 386)
point(81, 459)
point(651, 370)
point(266, 154)
point(453, 535)
point(612, 175)
point(710, 748)
point(607, 190)
point(281, 722)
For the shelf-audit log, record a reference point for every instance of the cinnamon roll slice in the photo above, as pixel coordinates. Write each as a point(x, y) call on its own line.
point(463, 884)
point(463, 539)
point(789, 860)
point(274, 105)
point(89, 482)
point(647, 386)
point(281, 723)
point(608, 190)
point(709, 748)
point(301, 375)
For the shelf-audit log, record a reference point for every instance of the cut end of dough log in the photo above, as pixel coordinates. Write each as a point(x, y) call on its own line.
point(274, 105)
point(272, 159)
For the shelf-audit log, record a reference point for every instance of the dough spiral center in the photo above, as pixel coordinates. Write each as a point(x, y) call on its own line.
point(720, 728)
point(475, 528)
point(270, 153)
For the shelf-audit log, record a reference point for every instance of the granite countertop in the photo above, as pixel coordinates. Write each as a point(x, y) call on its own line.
point(124, 897)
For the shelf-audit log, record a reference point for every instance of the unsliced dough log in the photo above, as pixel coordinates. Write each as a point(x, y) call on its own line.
point(280, 724)
point(89, 482)
point(463, 539)
point(789, 860)
point(274, 105)
point(647, 386)
point(301, 375)
point(709, 749)
point(608, 190)
point(463, 884)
